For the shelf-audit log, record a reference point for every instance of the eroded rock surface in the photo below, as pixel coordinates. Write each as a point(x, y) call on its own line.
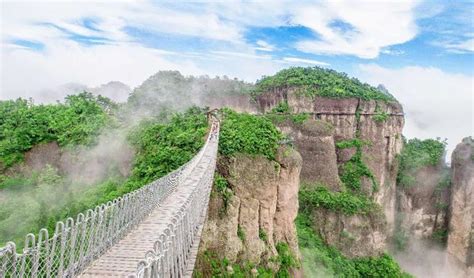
point(315, 142)
point(260, 213)
point(378, 123)
point(354, 235)
point(461, 225)
point(422, 208)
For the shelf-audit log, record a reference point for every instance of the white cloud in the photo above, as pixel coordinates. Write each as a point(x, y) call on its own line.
point(29, 73)
point(304, 61)
point(220, 27)
point(242, 54)
point(389, 51)
point(264, 46)
point(361, 31)
point(26, 73)
point(466, 46)
point(436, 103)
point(21, 19)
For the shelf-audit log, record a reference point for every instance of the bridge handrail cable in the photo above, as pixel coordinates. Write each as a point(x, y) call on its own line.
point(171, 255)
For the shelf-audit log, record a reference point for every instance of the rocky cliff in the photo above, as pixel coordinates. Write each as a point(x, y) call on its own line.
point(422, 209)
point(344, 138)
point(254, 213)
point(378, 123)
point(461, 224)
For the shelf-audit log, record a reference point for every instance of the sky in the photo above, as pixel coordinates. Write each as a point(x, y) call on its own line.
point(422, 51)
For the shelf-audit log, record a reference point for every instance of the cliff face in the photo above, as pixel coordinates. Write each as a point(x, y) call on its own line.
point(422, 208)
point(376, 122)
point(239, 103)
point(461, 224)
point(354, 235)
point(258, 213)
point(314, 140)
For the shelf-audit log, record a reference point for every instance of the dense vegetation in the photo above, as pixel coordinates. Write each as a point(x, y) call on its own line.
point(343, 202)
point(414, 159)
point(162, 148)
point(245, 133)
point(211, 266)
point(42, 198)
point(221, 187)
point(316, 81)
point(76, 121)
point(321, 260)
point(355, 169)
point(417, 154)
point(170, 91)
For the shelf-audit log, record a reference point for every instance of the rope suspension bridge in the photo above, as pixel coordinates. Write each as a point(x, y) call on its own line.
point(151, 232)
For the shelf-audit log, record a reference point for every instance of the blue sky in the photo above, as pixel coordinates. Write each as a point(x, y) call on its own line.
point(340, 35)
point(422, 51)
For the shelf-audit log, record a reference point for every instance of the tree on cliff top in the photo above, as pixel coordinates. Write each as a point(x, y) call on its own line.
point(316, 81)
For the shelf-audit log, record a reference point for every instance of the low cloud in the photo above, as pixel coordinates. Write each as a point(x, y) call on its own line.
point(436, 103)
point(28, 73)
point(425, 260)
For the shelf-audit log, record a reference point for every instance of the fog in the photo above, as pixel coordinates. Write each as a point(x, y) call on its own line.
point(52, 179)
point(427, 260)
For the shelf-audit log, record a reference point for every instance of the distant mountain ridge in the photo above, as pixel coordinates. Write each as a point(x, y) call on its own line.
point(114, 90)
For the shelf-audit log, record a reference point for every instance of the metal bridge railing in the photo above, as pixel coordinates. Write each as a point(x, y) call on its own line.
point(170, 256)
point(76, 243)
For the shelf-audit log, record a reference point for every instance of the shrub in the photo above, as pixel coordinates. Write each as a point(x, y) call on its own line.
point(344, 202)
point(382, 266)
point(245, 133)
point(353, 170)
point(286, 259)
point(324, 260)
point(241, 233)
point(262, 235)
point(222, 187)
point(297, 119)
point(209, 264)
point(352, 143)
point(77, 121)
point(282, 107)
point(162, 148)
point(381, 116)
point(417, 154)
point(48, 198)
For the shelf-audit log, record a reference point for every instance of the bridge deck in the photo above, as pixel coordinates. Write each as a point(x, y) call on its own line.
point(122, 259)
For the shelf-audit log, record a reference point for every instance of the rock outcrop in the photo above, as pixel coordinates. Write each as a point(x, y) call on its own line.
point(259, 213)
point(314, 140)
point(461, 224)
point(354, 235)
point(422, 208)
point(377, 123)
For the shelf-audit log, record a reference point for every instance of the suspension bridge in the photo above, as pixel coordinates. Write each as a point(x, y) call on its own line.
point(151, 232)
